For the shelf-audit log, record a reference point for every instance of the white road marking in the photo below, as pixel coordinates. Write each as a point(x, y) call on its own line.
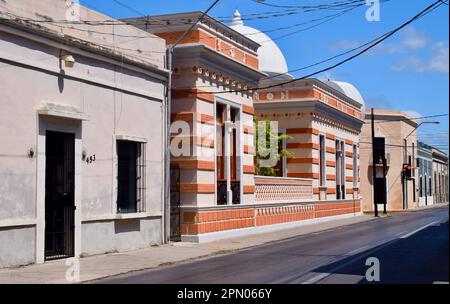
point(359, 250)
point(334, 270)
point(417, 230)
point(317, 278)
point(373, 248)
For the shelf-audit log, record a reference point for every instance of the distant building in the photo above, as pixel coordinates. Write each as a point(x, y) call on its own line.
point(440, 176)
point(81, 129)
point(394, 127)
point(424, 164)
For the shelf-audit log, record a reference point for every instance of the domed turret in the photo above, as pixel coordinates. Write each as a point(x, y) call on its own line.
point(271, 59)
point(347, 89)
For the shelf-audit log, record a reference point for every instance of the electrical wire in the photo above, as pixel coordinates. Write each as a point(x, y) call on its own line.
point(422, 13)
point(164, 21)
point(202, 38)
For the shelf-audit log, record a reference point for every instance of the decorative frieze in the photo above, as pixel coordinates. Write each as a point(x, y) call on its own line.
point(282, 190)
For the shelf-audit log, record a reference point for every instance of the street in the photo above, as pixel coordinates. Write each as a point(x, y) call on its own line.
point(411, 248)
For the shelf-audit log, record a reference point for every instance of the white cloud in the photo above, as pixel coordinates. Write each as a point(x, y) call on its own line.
point(437, 61)
point(410, 63)
point(345, 44)
point(410, 40)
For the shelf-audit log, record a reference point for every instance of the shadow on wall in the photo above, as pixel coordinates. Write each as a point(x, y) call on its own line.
point(61, 81)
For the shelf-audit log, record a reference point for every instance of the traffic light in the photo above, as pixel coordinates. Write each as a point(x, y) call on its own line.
point(407, 170)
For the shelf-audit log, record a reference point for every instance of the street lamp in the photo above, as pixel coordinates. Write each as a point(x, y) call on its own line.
point(404, 177)
point(423, 122)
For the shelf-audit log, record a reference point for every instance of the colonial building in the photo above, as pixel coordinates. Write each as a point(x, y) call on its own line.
point(394, 127)
point(81, 129)
point(440, 176)
point(82, 155)
point(213, 179)
point(215, 186)
point(323, 124)
point(322, 120)
point(425, 174)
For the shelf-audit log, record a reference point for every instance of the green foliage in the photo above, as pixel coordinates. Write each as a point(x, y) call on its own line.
point(272, 137)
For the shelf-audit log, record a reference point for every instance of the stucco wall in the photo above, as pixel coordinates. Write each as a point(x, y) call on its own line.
point(17, 246)
point(111, 236)
point(394, 131)
point(117, 100)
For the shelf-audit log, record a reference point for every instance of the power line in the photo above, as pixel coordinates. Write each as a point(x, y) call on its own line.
point(379, 121)
point(308, 7)
point(399, 145)
point(128, 7)
point(163, 21)
point(249, 34)
point(375, 42)
point(416, 17)
point(317, 63)
point(328, 18)
point(324, 19)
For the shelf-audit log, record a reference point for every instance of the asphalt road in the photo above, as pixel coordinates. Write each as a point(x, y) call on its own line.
point(411, 248)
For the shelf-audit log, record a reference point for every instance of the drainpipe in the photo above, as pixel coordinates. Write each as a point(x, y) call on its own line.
point(167, 149)
point(167, 127)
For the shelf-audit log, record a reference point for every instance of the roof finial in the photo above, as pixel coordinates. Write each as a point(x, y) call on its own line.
point(237, 20)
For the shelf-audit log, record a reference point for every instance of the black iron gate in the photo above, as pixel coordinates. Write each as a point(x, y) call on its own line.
point(175, 214)
point(59, 195)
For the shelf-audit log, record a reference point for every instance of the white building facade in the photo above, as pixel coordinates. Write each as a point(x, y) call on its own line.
point(81, 129)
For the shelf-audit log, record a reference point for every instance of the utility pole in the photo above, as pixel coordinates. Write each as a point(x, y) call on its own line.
point(169, 59)
point(373, 163)
point(405, 178)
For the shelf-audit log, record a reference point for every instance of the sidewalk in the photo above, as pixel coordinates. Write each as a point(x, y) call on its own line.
point(100, 266)
point(415, 209)
point(437, 205)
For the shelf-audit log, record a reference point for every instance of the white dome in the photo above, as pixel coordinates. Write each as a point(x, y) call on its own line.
point(347, 89)
point(271, 59)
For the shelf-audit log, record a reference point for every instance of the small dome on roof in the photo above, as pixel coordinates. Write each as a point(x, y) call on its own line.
point(347, 89)
point(271, 59)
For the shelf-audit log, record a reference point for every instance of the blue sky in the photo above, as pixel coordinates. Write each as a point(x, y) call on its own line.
point(409, 71)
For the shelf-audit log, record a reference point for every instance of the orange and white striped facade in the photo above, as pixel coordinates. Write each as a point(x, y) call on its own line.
point(218, 173)
point(215, 185)
point(323, 126)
